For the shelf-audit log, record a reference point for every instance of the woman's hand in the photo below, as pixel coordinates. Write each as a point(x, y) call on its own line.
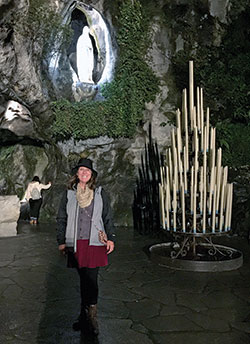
point(62, 248)
point(110, 246)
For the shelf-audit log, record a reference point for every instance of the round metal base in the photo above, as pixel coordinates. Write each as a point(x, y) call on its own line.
point(208, 258)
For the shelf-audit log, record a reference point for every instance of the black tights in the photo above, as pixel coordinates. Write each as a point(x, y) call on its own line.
point(35, 206)
point(88, 286)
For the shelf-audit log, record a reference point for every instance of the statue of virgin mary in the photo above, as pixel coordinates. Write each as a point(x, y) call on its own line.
point(85, 57)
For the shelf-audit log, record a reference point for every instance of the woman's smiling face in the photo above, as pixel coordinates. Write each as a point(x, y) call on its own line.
point(84, 174)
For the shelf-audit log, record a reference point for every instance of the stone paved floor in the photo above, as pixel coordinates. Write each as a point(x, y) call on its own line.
point(140, 302)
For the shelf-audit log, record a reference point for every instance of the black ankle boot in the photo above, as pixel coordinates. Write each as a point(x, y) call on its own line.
point(81, 323)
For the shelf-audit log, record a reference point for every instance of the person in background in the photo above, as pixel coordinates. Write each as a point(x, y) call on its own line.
point(85, 232)
point(34, 196)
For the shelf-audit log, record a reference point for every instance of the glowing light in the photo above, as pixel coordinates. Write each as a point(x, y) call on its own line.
point(85, 57)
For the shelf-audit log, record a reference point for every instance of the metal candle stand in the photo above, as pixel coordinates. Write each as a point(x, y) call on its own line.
point(194, 195)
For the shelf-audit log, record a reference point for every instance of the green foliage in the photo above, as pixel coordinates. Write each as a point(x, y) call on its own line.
point(79, 119)
point(125, 97)
point(234, 138)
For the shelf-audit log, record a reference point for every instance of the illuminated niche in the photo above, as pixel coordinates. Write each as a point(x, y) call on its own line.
point(90, 57)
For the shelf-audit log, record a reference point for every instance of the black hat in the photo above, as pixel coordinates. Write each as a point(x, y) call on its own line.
point(83, 162)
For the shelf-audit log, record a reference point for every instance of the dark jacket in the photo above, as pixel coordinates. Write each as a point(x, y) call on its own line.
point(62, 218)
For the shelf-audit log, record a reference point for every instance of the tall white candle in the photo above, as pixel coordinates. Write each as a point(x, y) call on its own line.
point(184, 110)
point(178, 130)
point(183, 208)
point(205, 167)
point(207, 126)
point(176, 179)
point(211, 189)
point(225, 174)
point(205, 139)
point(162, 207)
point(191, 91)
point(231, 205)
point(194, 117)
point(218, 162)
point(173, 138)
point(161, 173)
point(201, 187)
point(168, 192)
point(219, 186)
point(192, 191)
point(202, 119)
point(211, 138)
point(179, 140)
point(187, 151)
point(198, 110)
point(196, 141)
point(166, 187)
point(174, 207)
point(227, 207)
point(194, 205)
point(221, 207)
point(167, 208)
point(212, 158)
point(180, 172)
point(170, 164)
point(214, 211)
point(202, 110)
point(202, 139)
point(174, 150)
point(185, 170)
point(178, 118)
point(204, 200)
point(175, 161)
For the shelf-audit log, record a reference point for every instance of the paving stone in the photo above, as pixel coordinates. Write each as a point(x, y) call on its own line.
point(157, 292)
point(209, 322)
point(221, 299)
point(119, 292)
point(173, 310)
point(5, 259)
point(119, 331)
point(242, 293)
point(171, 323)
point(201, 338)
point(226, 314)
point(143, 309)
point(112, 309)
point(6, 272)
point(189, 281)
point(191, 300)
point(139, 278)
point(241, 326)
point(118, 276)
point(5, 283)
point(139, 328)
point(12, 290)
point(139, 301)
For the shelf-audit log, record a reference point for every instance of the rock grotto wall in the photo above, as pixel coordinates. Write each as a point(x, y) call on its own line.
point(24, 79)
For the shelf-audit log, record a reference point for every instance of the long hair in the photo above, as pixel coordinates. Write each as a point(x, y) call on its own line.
point(73, 181)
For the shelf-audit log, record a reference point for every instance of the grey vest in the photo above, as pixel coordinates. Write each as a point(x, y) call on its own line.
point(72, 220)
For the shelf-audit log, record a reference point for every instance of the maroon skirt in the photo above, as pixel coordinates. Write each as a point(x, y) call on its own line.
point(90, 256)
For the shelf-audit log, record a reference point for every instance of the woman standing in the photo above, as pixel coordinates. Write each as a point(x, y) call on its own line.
point(85, 232)
point(34, 196)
